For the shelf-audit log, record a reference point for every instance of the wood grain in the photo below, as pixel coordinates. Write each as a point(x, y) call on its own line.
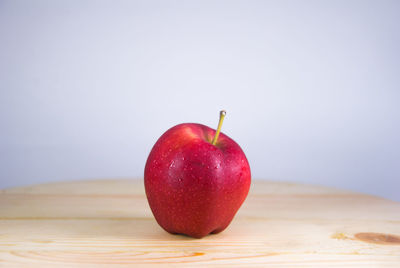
point(107, 223)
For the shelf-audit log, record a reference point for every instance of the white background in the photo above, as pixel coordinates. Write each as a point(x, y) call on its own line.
point(311, 87)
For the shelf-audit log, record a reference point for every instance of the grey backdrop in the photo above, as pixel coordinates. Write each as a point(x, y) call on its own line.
point(311, 87)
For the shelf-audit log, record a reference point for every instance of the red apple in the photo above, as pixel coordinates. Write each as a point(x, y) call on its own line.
point(196, 178)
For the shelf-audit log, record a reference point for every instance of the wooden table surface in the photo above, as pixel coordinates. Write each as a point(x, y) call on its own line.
point(108, 222)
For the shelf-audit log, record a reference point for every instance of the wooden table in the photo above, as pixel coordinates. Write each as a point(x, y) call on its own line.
point(108, 222)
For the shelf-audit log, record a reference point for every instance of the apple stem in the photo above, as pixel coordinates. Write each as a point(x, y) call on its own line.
point(221, 119)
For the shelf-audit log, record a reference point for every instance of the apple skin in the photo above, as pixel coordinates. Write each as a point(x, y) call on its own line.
point(194, 187)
